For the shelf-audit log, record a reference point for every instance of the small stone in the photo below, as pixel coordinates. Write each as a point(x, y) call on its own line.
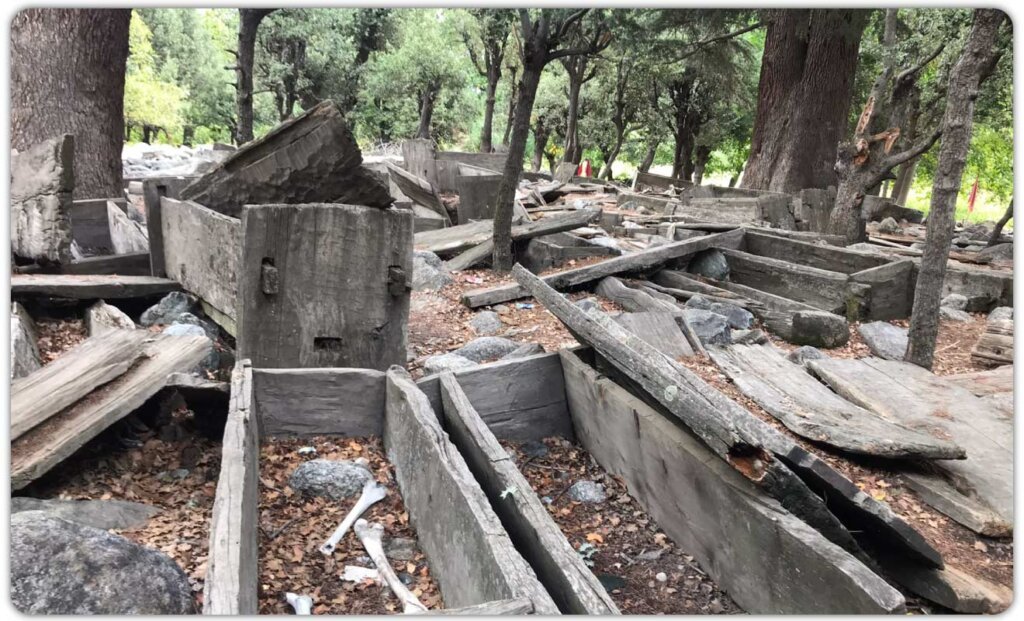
point(739, 318)
point(401, 548)
point(502, 309)
point(487, 348)
point(587, 491)
point(24, 350)
point(209, 328)
point(486, 323)
point(101, 318)
point(711, 328)
point(524, 350)
point(954, 301)
point(588, 304)
point(429, 272)
point(1002, 313)
point(611, 582)
point(953, 314)
point(999, 252)
point(749, 337)
point(334, 479)
point(446, 362)
point(698, 301)
point(715, 607)
point(710, 263)
point(184, 329)
point(889, 226)
point(651, 555)
point(885, 340)
point(173, 305)
point(661, 577)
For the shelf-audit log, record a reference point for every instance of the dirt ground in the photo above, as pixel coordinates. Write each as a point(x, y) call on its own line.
point(293, 527)
point(642, 568)
point(56, 336)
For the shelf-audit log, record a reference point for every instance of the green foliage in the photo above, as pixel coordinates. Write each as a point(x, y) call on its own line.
point(149, 100)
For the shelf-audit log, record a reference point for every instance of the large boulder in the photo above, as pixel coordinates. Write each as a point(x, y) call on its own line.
point(334, 479)
point(739, 318)
point(487, 348)
point(42, 181)
point(955, 301)
point(446, 362)
point(429, 272)
point(819, 329)
point(24, 349)
point(62, 567)
point(711, 328)
point(102, 317)
point(103, 514)
point(999, 252)
point(167, 310)
point(709, 263)
point(884, 339)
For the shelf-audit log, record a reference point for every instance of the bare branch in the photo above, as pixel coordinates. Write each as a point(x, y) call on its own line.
point(907, 74)
point(905, 156)
point(569, 21)
point(699, 45)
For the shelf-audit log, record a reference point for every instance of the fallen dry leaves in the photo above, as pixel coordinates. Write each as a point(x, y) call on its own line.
point(56, 336)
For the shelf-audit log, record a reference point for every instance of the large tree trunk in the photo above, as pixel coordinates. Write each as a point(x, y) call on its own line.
point(248, 22)
point(67, 77)
point(804, 92)
point(976, 61)
point(904, 181)
point(427, 98)
point(648, 161)
point(512, 98)
point(700, 161)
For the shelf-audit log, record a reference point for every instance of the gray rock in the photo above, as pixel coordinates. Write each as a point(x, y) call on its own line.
point(1002, 313)
point(953, 314)
point(172, 306)
point(698, 301)
point(24, 350)
point(334, 479)
point(429, 272)
point(183, 329)
point(978, 232)
point(709, 263)
point(604, 241)
point(401, 548)
point(486, 323)
point(101, 318)
point(446, 362)
point(534, 448)
point(748, 337)
point(502, 309)
point(739, 318)
point(103, 514)
point(889, 226)
point(801, 355)
point(487, 348)
point(588, 304)
point(884, 339)
point(954, 301)
point(587, 491)
point(61, 567)
point(820, 329)
point(524, 350)
point(711, 328)
point(209, 328)
point(999, 252)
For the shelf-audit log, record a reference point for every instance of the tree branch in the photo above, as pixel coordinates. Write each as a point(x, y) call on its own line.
point(906, 74)
point(698, 46)
point(905, 156)
point(569, 21)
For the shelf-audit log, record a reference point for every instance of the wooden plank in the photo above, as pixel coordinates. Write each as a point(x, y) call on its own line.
point(984, 383)
point(89, 226)
point(202, 250)
point(891, 294)
point(50, 389)
point(809, 409)
point(520, 399)
point(825, 290)
point(310, 402)
point(635, 263)
point(232, 579)
point(452, 241)
point(152, 191)
point(759, 452)
point(126, 235)
point(448, 509)
point(324, 286)
point(660, 330)
point(646, 180)
point(950, 587)
point(46, 445)
point(559, 568)
point(995, 345)
point(812, 255)
point(503, 607)
point(633, 299)
point(90, 287)
point(419, 190)
point(135, 264)
point(769, 561)
point(471, 257)
point(917, 398)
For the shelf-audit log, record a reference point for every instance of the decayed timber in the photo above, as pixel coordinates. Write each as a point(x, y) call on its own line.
point(471, 257)
point(915, 397)
point(809, 409)
point(50, 389)
point(201, 250)
point(134, 264)
point(995, 345)
point(308, 159)
point(633, 299)
point(660, 330)
point(342, 402)
point(769, 561)
point(419, 190)
point(46, 445)
point(90, 227)
point(748, 444)
point(126, 235)
point(503, 607)
point(571, 584)
point(645, 180)
point(637, 262)
point(824, 289)
point(520, 399)
point(232, 581)
point(890, 293)
point(812, 255)
point(324, 286)
point(458, 239)
point(949, 587)
point(446, 505)
point(90, 287)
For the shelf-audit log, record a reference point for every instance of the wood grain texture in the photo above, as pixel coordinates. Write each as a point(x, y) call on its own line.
point(809, 409)
point(50, 389)
point(658, 329)
point(471, 556)
point(232, 574)
point(90, 287)
point(134, 264)
point(769, 561)
point(560, 569)
point(90, 227)
point(823, 289)
point(342, 296)
point(635, 263)
point(310, 402)
point(126, 235)
point(202, 250)
point(46, 445)
point(812, 255)
point(995, 345)
point(419, 190)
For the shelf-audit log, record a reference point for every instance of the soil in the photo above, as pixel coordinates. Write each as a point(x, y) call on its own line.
point(294, 526)
point(102, 471)
point(624, 547)
point(56, 336)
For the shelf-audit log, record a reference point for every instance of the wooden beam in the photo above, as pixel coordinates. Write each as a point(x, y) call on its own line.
point(503, 607)
point(995, 345)
point(342, 402)
point(419, 190)
point(459, 239)
point(560, 569)
point(448, 509)
point(638, 262)
point(824, 289)
point(231, 586)
point(90, 287)
point(136, 264)
point(812, 255)
point(152, 192)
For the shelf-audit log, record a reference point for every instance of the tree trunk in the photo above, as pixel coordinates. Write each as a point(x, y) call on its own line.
point(700, 161)
point(426, 110)
point(652, 150)
point(804, 92)
point(996, 232)
point(977, 58)
point(512, 98)
point(67, 77)
point(502, 260)
point(572, 122)
point(485, 132)
point(540, 142)
point(606, 170)
point(248, 22)
point(904, 181)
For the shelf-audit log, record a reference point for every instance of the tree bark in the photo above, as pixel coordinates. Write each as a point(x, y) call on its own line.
point(485, 132)
point(804, 92)
point(572, 117)
point(512, 98)
point(975, 62)
point(652, 150)
point(248, 23)
point(996, 232)
point(540, 142)
point(700, 161)
point(67, 77)
point(427, 98)
point(904, 181)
